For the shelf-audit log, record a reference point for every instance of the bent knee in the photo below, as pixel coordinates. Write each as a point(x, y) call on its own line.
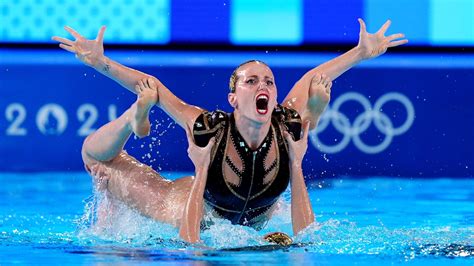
point(86, 157)
point(97, 170)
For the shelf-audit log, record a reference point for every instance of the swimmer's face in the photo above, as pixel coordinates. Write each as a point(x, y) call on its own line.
point(255, 94)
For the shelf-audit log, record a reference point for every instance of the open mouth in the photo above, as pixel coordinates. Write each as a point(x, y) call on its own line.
point(262, 104)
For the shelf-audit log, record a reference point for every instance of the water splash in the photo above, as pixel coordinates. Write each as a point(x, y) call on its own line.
point(127, 228)
point(430, 228)
point(151, 151)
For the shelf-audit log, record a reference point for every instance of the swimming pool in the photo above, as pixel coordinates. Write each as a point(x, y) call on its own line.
point(44, 219)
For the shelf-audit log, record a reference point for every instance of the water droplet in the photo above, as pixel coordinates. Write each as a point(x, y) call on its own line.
point(325, 158)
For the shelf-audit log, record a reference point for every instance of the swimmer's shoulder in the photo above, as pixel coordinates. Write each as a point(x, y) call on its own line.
point(208, 124)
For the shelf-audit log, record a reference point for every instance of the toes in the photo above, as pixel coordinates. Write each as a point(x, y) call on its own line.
point(140, 82)
point(324, 78)
point(326, 81)
point(329, 85)
point(138, 88)
point(151, 83)
point(319, 77)
point(145, 84)
point(316, 78)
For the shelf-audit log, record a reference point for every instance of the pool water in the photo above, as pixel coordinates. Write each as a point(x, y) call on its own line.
point(47, 218)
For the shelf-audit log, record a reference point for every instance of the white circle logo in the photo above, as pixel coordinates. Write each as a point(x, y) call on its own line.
point(362, 122)
point(51, 119)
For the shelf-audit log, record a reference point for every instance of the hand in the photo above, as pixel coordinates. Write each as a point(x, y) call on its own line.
point(200, 156)
point(90, 52)
point(373, 45)
point(297, 149)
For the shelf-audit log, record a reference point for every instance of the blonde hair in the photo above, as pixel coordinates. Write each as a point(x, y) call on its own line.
point(233, 77)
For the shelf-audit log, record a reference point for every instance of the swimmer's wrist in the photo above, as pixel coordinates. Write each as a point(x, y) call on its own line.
point(296, 165)
point(359, 53)
point(296, 170)
point(102, 64)
point(201, 170)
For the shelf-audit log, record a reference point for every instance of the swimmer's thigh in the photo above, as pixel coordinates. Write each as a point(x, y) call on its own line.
point(137, 185)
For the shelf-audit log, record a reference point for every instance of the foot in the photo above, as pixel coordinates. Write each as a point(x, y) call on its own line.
point(319, 93)
point(319, 96)
point(147, 98)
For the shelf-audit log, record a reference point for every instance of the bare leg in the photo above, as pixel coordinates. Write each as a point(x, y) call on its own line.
point(319, 96)
point(141, 188)
point(147, 98)
point(107, 142)
point(125, 178)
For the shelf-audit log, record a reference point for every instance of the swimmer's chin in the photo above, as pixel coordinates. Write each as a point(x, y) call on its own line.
point(263, 117)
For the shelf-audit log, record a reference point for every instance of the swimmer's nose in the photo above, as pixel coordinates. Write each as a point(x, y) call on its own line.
point(263, 85)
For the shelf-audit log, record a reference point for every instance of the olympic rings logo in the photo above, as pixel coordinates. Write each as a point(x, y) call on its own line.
point(352, 131)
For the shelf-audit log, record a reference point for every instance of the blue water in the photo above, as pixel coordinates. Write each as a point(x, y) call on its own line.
point(45, 219)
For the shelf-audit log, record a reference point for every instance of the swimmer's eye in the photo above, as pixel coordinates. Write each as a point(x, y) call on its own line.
point(269, 82)
point(251, 81)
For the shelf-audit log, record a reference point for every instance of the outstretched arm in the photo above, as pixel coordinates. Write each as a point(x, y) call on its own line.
point(369, 46)
point(301, 211)
point(189, 229)
point(91, 53)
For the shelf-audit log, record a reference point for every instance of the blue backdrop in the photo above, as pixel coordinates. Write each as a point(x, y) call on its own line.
point(238, 22)
point(398, 115)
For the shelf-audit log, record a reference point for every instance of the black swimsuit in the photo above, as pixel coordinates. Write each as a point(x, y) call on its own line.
point(254, 180)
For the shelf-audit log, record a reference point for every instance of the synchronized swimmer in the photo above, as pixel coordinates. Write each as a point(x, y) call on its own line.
point(243, 160)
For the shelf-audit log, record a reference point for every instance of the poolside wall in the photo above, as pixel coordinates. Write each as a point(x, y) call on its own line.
point(49, 102)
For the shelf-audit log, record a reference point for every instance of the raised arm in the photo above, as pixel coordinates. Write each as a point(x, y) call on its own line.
point(301, 211)
point(369, 46)
point(91, 53)
point(189, 229)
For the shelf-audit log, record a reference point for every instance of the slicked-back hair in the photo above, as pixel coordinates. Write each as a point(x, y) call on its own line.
point(233, 77)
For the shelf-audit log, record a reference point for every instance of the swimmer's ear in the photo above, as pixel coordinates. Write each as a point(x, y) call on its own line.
point(232, 98)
